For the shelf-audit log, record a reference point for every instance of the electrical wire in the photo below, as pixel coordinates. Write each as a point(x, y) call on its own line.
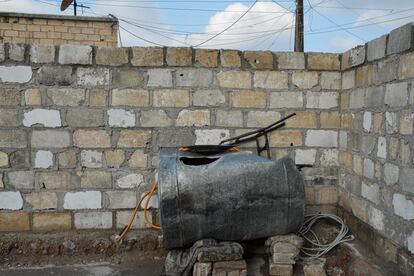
point(231, 25)
point(316, 249)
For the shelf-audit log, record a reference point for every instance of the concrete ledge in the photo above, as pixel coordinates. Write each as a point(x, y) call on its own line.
point(59, 17)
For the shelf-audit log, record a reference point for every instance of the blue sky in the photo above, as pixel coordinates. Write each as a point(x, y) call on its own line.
point(330, 25)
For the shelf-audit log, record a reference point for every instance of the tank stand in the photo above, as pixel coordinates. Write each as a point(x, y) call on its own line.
point(283, 250)
point(207, 257)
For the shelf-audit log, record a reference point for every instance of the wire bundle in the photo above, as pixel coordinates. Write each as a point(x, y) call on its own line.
point(317, 249)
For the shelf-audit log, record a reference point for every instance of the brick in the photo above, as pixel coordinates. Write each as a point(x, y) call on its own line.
point(406, 179)
point(82, 200)
point(367, 121)
point(286, 100)
point(302, 120)
point(271, 80)
point(10, 201)
point(121, 118)
point(364, 76)
point(348, 79)
point(323, 61)
point(50, 75)
point(9, 117)
point(138, 159)
point(67, 159)
point(32, 96)
point(93, 76)
point(249, 99)
point(374, 96)
point(159, 78)
point(129, 181)
point(208, 98)
point(91, 159)
point(127, 78)
point(305, 157)
point(391, 122)
point(385, 71)
point(21, 179)
point(114, 158)
point(377, 125)
point(55, 180)
point(40, 53)
point(231, 118)
point(330, 120)
point(123, 218)
point(322, 100)
point(262, 118)
point(147, 56)
point(133, 138)
point(155, 118)
point(291, 60)
point(111, 56)
point(356, 57)
point(197, 118)
point(93, 220)
point(406, 66)
point(376, 48)
point(50, 139)
point(75, 54)
point(171, 98)
point(343, 139)
point(211, 136)
point(406, 122)
point(179, 56)
point(371, 192)
point(14, 222)
point(130, 97)
point(66, 96)
point(230, 58)
point(206, 58)
point(42, 200)
point(52, 221)
point(259, 59)
point(9, 97)
point(357, 99)
point(321, 138)
point(4, 159)
point(44, 117)
point(329, 158)
point(121, 199)
point(175, 137)
point(331, 80)
point(43, 159)
point(286, 138)
point(16, 52)
point(15, 74)
point(85, 117)
point(368, 169)
point(91, 139)
point(95, 179)
point(98, 98)
point(305, 79)
point(193, 77)
point(396, 94)
point(391, 173)
point(234, 79)
point(399, 39)
point(393, 148)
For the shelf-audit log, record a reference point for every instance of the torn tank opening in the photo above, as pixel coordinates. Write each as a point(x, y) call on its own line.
point(197, 161)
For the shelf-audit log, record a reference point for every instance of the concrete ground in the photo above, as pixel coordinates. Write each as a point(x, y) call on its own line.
point(153, 269)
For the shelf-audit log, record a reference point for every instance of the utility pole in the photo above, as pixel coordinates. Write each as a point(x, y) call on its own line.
point(299, 39)
point(75, 5)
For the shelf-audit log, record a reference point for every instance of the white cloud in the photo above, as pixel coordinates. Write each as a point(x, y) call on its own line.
point(253, 32)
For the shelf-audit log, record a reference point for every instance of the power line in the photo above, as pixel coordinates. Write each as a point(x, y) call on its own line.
point(231, 25)
point(141, 38)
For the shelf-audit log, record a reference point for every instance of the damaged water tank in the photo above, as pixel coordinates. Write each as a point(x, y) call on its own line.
point(227, 195)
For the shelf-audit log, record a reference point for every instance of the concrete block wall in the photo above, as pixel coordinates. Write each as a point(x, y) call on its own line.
point(55, 29)
point(81, 127)
point(376, 177)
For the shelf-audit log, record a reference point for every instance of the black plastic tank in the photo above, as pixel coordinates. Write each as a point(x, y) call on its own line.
point(229, 196)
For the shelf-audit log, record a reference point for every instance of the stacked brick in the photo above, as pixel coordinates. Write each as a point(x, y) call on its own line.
point(80, 127)
point(57, 30)
point(376, 179)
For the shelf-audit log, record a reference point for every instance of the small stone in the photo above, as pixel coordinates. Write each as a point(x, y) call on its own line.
point(114, 158)
point(121, 118)
point(44, 159)
point(91, 159)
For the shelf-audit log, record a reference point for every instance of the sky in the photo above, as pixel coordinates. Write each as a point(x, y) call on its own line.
point(330, 25)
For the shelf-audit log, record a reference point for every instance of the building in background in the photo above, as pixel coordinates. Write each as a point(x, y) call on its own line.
point(57, 29)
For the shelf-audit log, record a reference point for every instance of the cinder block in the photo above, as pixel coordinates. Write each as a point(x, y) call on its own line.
point(93, 220)
point(10, 201)
point(193, 118)
point(400, 39)
point(271, 80)
point(40, 53)
point(82, 200)
point(111, 56)
point(234, 79)
point(376, 48)
point(44, 117)
point(194, 77)
point(93, 76)
point(75, 54)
